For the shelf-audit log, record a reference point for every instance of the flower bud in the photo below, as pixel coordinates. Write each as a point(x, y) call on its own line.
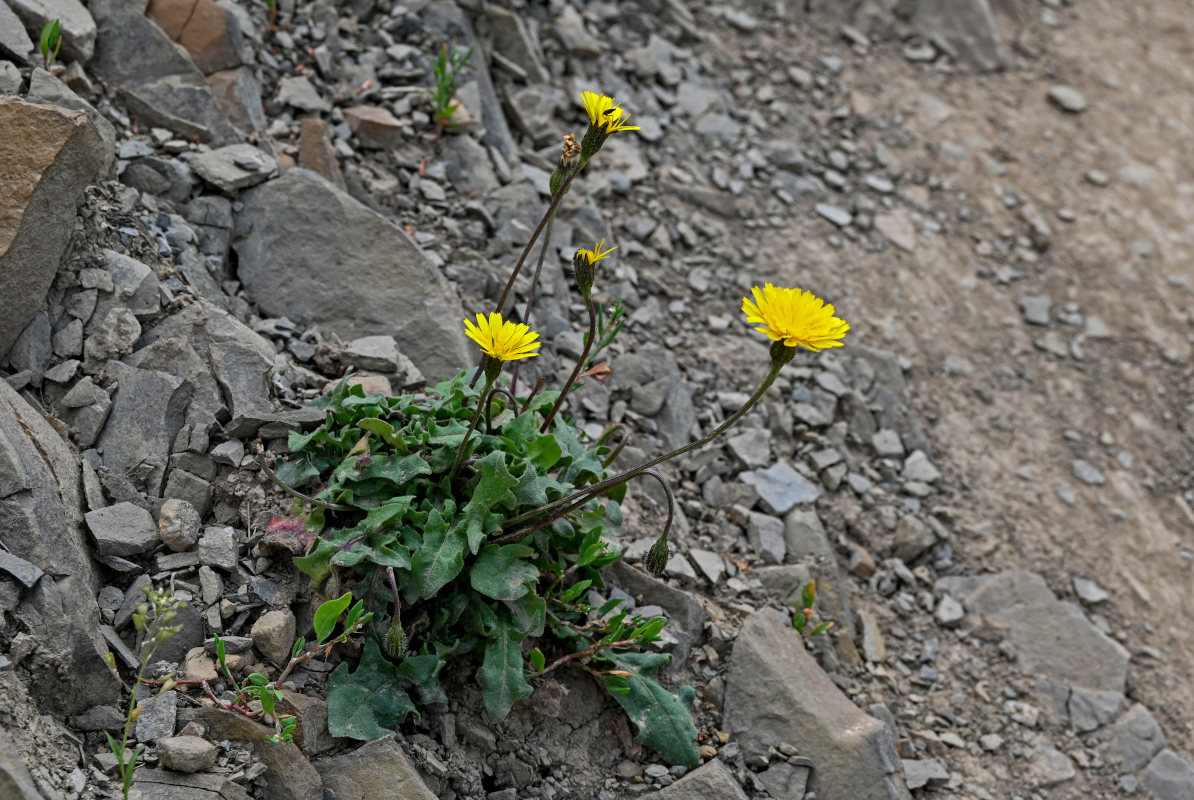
point(396, 639)
point(657, 556)
point(781, 354)
point(582, 265)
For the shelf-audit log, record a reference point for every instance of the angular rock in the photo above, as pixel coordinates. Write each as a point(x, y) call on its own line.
point(158, 717)
point(512, 37)
point(184, 104)
point(273, 634)
point(41, 523)
point(376, 771)
point(122, 530)
point(298, 230)
point(45, 88)
point(238, 94)
point(927, 772)
point(375, 127)
point(710, 781)
point(164, 784)
point(777, 694)
point(112, 335)
point(134, 286)
point(300, 93)
point(208, 32)
point(686, 617)
point(912, 538)
point(57, 152)
point(186, 753)
point(33, 348)
point(218, 548)
point(1133, 740)
point(766, 535)
point(316, 152)
point(781, 488)
point(234, 167)
point(178, 525)
point(377, 353)
point(1090, 709)
point(1052, 637)
point(243, 373)
point(965, 29)
point(147, 413)
point(132, 48)
point(1169, 777)
point(14, 41)
point(1051, 767)
point(76, 24)
point(14, 775)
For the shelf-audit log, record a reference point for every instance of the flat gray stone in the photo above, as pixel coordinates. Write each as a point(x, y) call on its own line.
point(1067, 98)
point(300, 93)
point(1169, 777)
point(76, 24)
point(781, 488)
point(377, 353)
point(46, 88)
point(122, 530)
point(777, 694)
point(26, 574)
point(186, 753)
point(297, 229)
point(1090, 709)
point(766, 535)
point(710, 781)
point(1133, 740)
point(379, 769)
point(965, 29)
point(14, 41)
point(158, 716)
point(148, 411)
point(1051, 767)
point(1087, 472)
point(919, 773)
point(234, 167)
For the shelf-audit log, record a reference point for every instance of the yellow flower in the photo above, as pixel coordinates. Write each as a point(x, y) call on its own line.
point(605, 112)
point(505, 341)
point(596, 254)
point(794, 317)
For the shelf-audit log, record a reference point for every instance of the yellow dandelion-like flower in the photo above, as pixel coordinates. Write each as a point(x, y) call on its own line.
point(794, 317)
point(596, 254)
point(604, 112)
point(505, 341)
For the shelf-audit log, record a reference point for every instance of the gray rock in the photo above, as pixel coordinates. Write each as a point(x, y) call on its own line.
point(887, 444)
point(838, 216)
point(805, 535)
point(68, 340)
point(85, 408)
point(158, 716)
point(468, 165)
point(766, 534)
point(1090, 592)
point(949, 613)
point(186, 753)
point(178, 525)
point(134, 286)
point(45, 88)
point(1051, 637)
point(377, 353)
point(928, 772)
point(1035, 309)
point(1169, 777)
point(1087, 472)
point(164, 784)
point(686, 617)
point(184, 104)
point(112, 336)
point(243, 373)
point(965, 29)
point(218, 548)
point(1067, 98)
point(1133, 740)
point(59, 153)
point(14, 775)
point(918, 467)
point(752, 447)
point(300, 93)
point(234, 167)
point(122, 530)
point(14, 41)
point(781, 488)
point(147, 413)
point(27, 574)
point(10, 78)
point(273, 634)
point(711, 565)
point(512, 37)
point(1090, 709)
point(296, 230)
point(76, 25)
point(378, 769)
point(1051, 767)
point(912, 538)
point(777, 694)
point(33, 348)
point(710, 781)
point(786, 780)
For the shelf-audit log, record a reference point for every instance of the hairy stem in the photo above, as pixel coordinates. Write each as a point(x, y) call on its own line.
point(575, 370)
point(472, 426)
point(526, 316)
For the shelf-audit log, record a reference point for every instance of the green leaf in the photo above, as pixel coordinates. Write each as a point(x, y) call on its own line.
point(441, 556)
point(528, 614)
point(221, 653)
point(663, 720)
point(399, 470)
point(544, 452)
point(386, 431)
point(49, 36)
point(317, 563)
point(808, 595)
point(576, 590)
point(537, 659)
point(327, 614)
point(370, 702)
point(296, 474)
point(387, 512)
point(492, 489)
point(501, 674)
point(533, 488)
point(502, 572)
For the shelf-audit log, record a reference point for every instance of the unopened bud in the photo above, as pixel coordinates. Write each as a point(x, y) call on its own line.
point(582, 265)
point(396, 639)
point(657, 556)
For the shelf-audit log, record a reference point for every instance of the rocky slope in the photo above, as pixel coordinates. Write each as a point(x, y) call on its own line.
point(217, 210)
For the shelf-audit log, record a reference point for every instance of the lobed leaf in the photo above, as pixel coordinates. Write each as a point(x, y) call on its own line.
point(663, 719)
point(502, 572)
point(501, 675)
point(370, 702)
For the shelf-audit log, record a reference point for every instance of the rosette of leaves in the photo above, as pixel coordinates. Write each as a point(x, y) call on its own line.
point(430, 557)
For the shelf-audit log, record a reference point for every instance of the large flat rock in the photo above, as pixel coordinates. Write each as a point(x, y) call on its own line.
point(49, 155)
point(309, 251)
point(777, 694)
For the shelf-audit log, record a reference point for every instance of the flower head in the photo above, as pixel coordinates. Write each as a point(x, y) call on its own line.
point(505, 341)
point(594, 255)
point(604, 112)
point(794, 317)
point(582, 264)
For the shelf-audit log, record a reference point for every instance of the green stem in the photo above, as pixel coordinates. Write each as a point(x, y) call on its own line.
point(575, 370)
point(579, 498)
point(472, 426)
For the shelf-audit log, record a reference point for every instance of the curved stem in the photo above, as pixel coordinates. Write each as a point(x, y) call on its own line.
point(590, 492)
point(293, 492)
point(489, 406)
point(472, 426)
point(538, 387)
point(526, 316)
point(584, 357)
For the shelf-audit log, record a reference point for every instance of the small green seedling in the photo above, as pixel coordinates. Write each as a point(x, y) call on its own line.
point(804, 612)
point(51, 43)
point(448, 62)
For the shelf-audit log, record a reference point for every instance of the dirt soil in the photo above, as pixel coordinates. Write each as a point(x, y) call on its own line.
point(998, 402)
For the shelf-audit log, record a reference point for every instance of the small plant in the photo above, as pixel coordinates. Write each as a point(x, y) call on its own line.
point(260, 690)
point(448, 62)
point(804, 613)
point(472, 520)
point(151, 619)
point(51, 43)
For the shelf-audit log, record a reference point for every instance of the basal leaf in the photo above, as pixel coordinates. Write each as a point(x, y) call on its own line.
point(501, 673)
point(370, 702)
point(528, 614)
point(387, 512)
point(441, 556)
point(544, 452)
point(317, 563)
point(663, 719)
point(502, 572)
point(532, 489)
point(399, 470)
point(493, 490)
point(296, 474)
